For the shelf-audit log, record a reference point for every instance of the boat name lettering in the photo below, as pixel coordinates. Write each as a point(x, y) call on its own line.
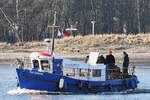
point(71, 65)
point(36, 73)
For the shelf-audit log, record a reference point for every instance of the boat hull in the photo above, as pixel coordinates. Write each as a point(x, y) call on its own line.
point(50, 82)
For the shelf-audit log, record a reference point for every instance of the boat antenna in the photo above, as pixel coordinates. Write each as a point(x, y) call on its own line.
point(133, 69)
point(53, 32)
point(71, 29)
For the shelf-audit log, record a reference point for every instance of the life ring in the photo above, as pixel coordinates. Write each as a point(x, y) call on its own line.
point(61, 83)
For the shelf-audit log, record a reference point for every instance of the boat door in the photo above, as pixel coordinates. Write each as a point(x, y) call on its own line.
point(57, 66)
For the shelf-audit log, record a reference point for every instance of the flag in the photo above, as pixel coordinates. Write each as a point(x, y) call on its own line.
point(59, 34)
point(65, 33)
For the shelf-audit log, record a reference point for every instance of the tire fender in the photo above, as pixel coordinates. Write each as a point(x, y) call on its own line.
point(61, 83)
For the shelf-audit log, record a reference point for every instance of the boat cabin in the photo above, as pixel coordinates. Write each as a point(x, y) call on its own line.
point(42, 62)
point(83, 71)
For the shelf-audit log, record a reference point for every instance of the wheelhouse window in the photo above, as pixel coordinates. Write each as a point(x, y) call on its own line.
point(96, 73)
point(69, 72)
point(84, 72)
point(45, 65)
point(36, 64)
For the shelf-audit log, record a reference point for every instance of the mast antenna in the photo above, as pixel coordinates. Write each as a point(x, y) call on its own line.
point(53, 31)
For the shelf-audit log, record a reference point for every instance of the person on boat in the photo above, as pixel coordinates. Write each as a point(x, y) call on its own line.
point(125, 63)
point(20, 63)
point(110, 59)
point(101, 59)
point(87, 58)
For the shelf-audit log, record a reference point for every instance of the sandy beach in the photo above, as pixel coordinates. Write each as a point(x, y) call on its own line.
point(77, 48)
point(138, 55)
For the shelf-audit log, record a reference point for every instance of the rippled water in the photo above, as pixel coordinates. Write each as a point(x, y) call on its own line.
point(9, 91)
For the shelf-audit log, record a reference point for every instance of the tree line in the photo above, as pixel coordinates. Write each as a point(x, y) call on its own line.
point(111, 16)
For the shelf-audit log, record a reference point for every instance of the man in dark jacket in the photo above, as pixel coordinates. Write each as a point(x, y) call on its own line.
point(86, 59)
point(125, 63)
point(101, 59)
point(110, 59)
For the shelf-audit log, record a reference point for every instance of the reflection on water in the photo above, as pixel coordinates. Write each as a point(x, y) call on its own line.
point(91, 97)
point(40, 97)
point(8, 89)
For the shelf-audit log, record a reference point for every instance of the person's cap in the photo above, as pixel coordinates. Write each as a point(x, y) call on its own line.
point(110, 52)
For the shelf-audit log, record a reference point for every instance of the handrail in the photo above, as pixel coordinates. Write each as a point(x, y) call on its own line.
point(112, 73)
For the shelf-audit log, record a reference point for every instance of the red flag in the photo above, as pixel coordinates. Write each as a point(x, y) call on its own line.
point(65, 33)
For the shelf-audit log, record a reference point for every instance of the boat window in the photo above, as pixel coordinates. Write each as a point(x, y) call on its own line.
point(36, 64)
point(69, 71)
point(84, 72)
point(45, 64)
point(96, 73)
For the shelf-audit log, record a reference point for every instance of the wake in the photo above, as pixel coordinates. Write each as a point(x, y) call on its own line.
point(19, 91)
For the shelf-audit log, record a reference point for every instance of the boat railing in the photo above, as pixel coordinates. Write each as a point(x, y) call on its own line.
point(113, 73)
point(120, 72)
point(131, 68)
point(24, 63)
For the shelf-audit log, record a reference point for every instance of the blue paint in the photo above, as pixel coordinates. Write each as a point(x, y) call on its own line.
point(35, 69)
point(40, 80)
point(49, 82)
point(107, 67)
point(57, 65)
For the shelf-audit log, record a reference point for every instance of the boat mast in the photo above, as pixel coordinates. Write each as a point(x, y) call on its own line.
point(53, 29)
point(53, 34)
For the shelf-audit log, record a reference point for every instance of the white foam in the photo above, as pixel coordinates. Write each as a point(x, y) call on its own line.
point(19, 91)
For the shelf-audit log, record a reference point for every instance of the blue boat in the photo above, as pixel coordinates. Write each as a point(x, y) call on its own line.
point(46, 72)
point(53, 74)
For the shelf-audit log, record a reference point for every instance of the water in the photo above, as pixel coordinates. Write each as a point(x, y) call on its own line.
point(9, 91)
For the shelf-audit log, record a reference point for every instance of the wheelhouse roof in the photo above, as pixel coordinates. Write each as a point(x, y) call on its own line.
point(40, 55)
point(76, 64)
point(66, 62)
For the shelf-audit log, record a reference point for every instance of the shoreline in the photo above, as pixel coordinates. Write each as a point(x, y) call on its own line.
point(77, 48)
point(139, 61)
